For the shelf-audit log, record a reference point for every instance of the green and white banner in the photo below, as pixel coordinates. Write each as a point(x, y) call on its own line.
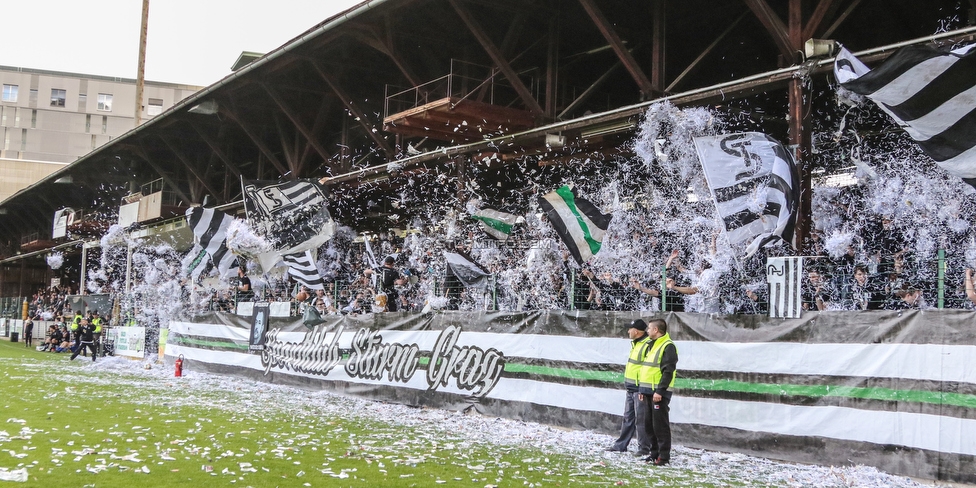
point(795, 391)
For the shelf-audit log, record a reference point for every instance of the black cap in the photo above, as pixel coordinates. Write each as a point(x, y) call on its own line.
point(389, 260)
point(638, 324)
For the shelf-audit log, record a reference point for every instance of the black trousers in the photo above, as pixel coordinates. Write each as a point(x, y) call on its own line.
point(658, 425)
point(28, 340)
point(89, 345)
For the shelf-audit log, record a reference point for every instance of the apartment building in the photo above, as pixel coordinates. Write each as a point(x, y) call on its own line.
point(51, 117)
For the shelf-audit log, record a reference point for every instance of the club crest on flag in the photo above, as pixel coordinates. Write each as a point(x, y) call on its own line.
point(755, 185)
point(291, 215)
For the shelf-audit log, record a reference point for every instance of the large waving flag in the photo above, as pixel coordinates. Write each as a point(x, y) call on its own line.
point(291, 215)
point(495, 223)
point(931, 93)
point(755, 184)
point(209, 228)
point(578, 222)
point(467, 271)
point(302, 268)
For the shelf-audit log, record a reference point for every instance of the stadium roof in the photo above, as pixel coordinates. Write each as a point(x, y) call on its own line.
point(396, 81)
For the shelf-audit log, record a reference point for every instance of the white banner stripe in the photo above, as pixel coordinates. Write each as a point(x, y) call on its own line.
point(913, 430)
point(907, 429)
point(907, 361)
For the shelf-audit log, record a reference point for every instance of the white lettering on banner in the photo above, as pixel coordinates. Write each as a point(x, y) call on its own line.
point(370, 358)
point(472, 368)
point(314, 355)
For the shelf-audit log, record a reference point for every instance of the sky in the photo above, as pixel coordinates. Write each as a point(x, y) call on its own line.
point(193, 42)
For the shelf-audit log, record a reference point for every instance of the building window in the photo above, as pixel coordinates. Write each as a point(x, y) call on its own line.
point(104, 102)
point(10, 93)
point(33, 119)
point(58, 97)
point(82, 100)
point(33, 96)
point(155, 107)
point(104, 124)
point(88, 123)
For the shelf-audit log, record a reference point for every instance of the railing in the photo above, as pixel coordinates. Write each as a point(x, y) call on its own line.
point(464, 81)
point(12, 307)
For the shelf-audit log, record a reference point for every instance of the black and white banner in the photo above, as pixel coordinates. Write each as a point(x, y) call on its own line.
point(291, 215)
point(755, 185)
point(892, 389)
point(784, 276)
point(209, 227)
point(301, 267)
point(929, 92)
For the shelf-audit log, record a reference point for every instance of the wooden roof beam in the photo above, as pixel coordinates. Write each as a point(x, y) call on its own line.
point(255, 138)
point(189, 165)
point(825, 10)
point(498, 59)
point(361, 118)
point(215, 147)
point(297, 122)
point(317, 126)
point(711, 47)
point(774, 25)
point(142, 154)
point(841, 18)
point(596, 15)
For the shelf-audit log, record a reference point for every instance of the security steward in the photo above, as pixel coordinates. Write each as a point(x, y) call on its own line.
point(96, 323)
point(87, 333)
point(634, 411)
point(658, 369)
point(75, 327)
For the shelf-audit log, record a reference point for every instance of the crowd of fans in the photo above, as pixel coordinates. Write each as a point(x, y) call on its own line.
point(883, 278)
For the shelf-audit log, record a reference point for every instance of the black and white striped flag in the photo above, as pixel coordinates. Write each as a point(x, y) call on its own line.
point(929, 92)
point(209, 228)
point(755, 185)
point(578, 222)
point(302, 268)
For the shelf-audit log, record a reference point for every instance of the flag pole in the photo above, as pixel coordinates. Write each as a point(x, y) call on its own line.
point(244, 198)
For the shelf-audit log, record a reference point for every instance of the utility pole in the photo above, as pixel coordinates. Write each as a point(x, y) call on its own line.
point(141, 74)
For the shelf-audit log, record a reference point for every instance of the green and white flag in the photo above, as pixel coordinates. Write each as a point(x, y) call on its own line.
point(496, 224)
point(578, 222)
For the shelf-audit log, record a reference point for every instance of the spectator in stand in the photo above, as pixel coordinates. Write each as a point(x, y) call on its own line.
point(677, 285)
point(817, 292)
point(909, 297)
point(244, 291)
point(861, 293)
point(389, 279)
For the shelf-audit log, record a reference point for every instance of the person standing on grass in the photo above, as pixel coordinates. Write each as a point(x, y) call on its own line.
point(634, 410)
point(658, 369)
point(86, 332)
point(28, 332)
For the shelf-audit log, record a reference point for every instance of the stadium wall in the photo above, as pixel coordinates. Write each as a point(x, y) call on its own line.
point(895, 390)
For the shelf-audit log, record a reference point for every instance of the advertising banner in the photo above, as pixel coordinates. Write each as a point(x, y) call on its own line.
point(131, 341)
